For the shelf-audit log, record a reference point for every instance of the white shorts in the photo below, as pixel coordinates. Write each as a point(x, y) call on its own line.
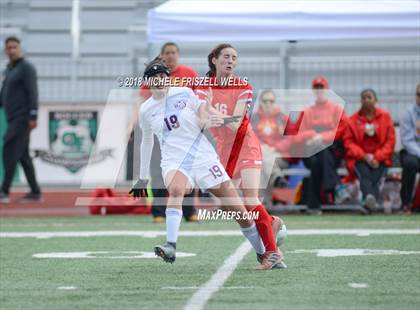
point(203, 176)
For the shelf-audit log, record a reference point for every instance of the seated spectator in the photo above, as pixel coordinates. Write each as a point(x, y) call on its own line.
point(369, 140)
point(410, 154)
point(323, 123)
point(269, 125)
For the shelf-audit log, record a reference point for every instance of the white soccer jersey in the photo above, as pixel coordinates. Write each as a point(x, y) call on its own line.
point(175, 122)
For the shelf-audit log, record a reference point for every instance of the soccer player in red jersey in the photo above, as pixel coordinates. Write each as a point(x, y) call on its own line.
point(237, 145)
point(176, 117)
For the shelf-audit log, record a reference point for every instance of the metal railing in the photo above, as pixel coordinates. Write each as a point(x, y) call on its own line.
point(394, 78)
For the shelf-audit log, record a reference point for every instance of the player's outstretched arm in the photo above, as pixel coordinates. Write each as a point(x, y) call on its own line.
point(146, 147)
point(134, 117)
point(239, 113)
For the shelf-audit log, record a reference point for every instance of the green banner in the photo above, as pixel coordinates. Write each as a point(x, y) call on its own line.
point(3, 127)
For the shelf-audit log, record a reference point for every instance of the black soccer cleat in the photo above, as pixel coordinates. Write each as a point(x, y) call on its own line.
point(167, 252)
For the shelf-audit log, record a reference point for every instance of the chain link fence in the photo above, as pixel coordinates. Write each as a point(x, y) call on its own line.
point(393, 77)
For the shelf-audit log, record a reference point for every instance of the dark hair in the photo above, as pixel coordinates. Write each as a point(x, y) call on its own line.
point(369, 90)
point(164, 46)
point(214, 54)
point(155, 60)
point(157, 65)
point(11, 39)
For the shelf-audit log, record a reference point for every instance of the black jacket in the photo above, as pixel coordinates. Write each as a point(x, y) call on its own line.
point(19, 92)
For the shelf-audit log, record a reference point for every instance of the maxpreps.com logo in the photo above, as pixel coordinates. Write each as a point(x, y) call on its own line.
point(72, 135)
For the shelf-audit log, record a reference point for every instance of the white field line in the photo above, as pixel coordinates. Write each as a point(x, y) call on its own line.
point(182, 288)
point(206, 291)
point(204, 233)
point(351, 252)
point(358, 285)
point(67, 288)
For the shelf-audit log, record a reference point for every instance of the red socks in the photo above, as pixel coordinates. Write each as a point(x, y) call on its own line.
point(264, 228)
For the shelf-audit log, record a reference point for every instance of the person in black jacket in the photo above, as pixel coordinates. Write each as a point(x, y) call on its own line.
point(19, 98)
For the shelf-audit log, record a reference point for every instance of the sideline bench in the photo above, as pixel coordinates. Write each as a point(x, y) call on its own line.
point(341, 171)
point(282, 193)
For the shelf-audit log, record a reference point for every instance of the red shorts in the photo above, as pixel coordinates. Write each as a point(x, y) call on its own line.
point(250, 157)
point(246, 164)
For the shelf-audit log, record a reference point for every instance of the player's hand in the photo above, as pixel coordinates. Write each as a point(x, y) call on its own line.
point(213, 121)
point(139, 189)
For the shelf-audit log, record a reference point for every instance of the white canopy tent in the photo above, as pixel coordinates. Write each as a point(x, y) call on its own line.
point(207, 21)
point(365, 29)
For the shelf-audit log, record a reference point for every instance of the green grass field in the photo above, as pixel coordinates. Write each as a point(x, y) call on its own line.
point(111, 279)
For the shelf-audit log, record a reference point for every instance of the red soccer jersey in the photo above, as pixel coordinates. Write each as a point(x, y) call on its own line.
point(179, 72)
point(248, 151)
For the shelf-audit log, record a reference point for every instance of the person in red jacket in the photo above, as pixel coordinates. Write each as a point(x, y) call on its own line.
point(369, 141)
point(323, 123)
point(269, 125)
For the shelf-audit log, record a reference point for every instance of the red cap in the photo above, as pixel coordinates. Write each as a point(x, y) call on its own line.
point(320, 80)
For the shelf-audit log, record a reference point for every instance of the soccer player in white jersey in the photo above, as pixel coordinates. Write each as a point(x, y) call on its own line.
point(176, 117)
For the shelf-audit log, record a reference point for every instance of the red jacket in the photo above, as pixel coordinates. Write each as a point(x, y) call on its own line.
point(270, 129)
point(354, 134)
point(327, 119)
